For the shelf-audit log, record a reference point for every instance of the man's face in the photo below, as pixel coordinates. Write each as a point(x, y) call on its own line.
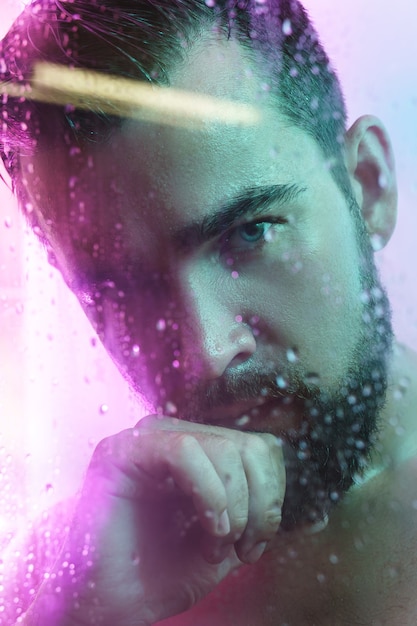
point(220, 265)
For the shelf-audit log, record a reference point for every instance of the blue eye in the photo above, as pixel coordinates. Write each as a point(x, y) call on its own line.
point(252, 231)
point(250, 237)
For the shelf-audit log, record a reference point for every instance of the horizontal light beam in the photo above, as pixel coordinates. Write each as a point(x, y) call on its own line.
point(85, 89)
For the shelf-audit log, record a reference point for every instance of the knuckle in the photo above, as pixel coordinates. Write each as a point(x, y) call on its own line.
point(226, 446)
point(185, 444)
point(270, 438)
point(238, 524)
point(105, 449)
point(150, 423)
point(272, 519)
point(255, 446)
point(272, 442)
point(238, 513)
point(228, 458)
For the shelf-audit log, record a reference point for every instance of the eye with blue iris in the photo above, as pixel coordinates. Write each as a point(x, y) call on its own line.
point(250, 237)
point(252, 231)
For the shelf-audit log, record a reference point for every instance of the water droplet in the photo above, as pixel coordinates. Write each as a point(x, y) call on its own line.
point(377, 293)
point(287, 27)
point(238, 319)
point(292, 356)
point(398, 393)
point(235, 274)
point(161, 325)
point(135, 350)
point(243, 420)
point(382, 181)
point(170, 408)
point(314, 104)
point(404, 382)
point(334, 559)
point(377, 242)
point(175, 364)
point(8, 222)
point(104, 409)
point(281, 382)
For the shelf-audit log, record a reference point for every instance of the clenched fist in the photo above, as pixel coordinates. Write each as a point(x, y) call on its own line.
point(167, 510)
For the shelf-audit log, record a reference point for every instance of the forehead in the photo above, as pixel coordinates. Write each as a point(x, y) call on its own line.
point(213, 157)
point(152, 178)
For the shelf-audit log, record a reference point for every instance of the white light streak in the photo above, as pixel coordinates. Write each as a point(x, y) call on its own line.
point(130, 98)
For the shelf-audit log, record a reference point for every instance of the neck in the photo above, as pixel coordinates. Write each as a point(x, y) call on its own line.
point(398, 435)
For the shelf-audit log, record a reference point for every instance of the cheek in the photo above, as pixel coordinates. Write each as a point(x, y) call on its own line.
point(307, 303)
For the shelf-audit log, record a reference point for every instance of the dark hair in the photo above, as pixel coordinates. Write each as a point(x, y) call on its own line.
point(143, 39)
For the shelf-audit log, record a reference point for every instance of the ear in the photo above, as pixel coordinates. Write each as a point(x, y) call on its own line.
point(370, 163)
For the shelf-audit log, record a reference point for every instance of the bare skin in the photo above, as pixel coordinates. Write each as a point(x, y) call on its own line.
point(359, 569)
point(151, 537)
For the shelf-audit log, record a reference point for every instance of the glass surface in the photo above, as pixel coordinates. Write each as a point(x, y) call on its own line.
point(60, 392)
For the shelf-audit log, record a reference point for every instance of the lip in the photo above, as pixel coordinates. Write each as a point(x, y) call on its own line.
point(252, 414)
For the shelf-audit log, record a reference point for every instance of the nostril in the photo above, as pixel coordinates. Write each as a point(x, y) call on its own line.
point(240, 358)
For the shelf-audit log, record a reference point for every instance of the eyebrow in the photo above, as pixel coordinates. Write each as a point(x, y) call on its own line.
point(252, 201)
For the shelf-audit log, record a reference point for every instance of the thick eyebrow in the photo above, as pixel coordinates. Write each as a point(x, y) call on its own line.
point(251, 202)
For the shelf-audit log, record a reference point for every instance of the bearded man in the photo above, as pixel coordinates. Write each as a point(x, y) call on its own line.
point(228, 267)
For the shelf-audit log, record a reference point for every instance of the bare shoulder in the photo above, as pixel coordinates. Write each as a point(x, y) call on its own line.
point(374, 532)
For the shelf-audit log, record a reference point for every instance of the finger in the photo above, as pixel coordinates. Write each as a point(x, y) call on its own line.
point(194, 473)
point(142, 463)
point(222, 447)
point(264, 467)
point(226, 458)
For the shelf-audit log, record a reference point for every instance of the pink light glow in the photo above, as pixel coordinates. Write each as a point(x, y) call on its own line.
point(57, 377)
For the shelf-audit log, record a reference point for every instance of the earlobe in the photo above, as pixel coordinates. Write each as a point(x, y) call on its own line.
point(370, 163)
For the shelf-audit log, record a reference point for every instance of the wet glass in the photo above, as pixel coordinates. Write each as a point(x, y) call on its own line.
point(61, 393)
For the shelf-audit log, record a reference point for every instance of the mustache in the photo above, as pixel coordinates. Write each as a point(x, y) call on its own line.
point(233, 388)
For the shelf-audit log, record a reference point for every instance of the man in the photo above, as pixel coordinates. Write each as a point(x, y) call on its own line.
point(229, 271)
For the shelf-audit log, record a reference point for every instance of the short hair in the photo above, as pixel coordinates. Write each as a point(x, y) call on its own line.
point(143, 39)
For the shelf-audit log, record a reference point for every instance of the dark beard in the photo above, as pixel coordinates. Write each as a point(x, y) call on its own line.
point(335, 442)
point(333, 446)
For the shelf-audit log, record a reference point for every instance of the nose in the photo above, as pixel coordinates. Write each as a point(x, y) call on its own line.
point(215, 335)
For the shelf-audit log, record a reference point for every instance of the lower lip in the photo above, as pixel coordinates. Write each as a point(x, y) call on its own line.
point(275, 413)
